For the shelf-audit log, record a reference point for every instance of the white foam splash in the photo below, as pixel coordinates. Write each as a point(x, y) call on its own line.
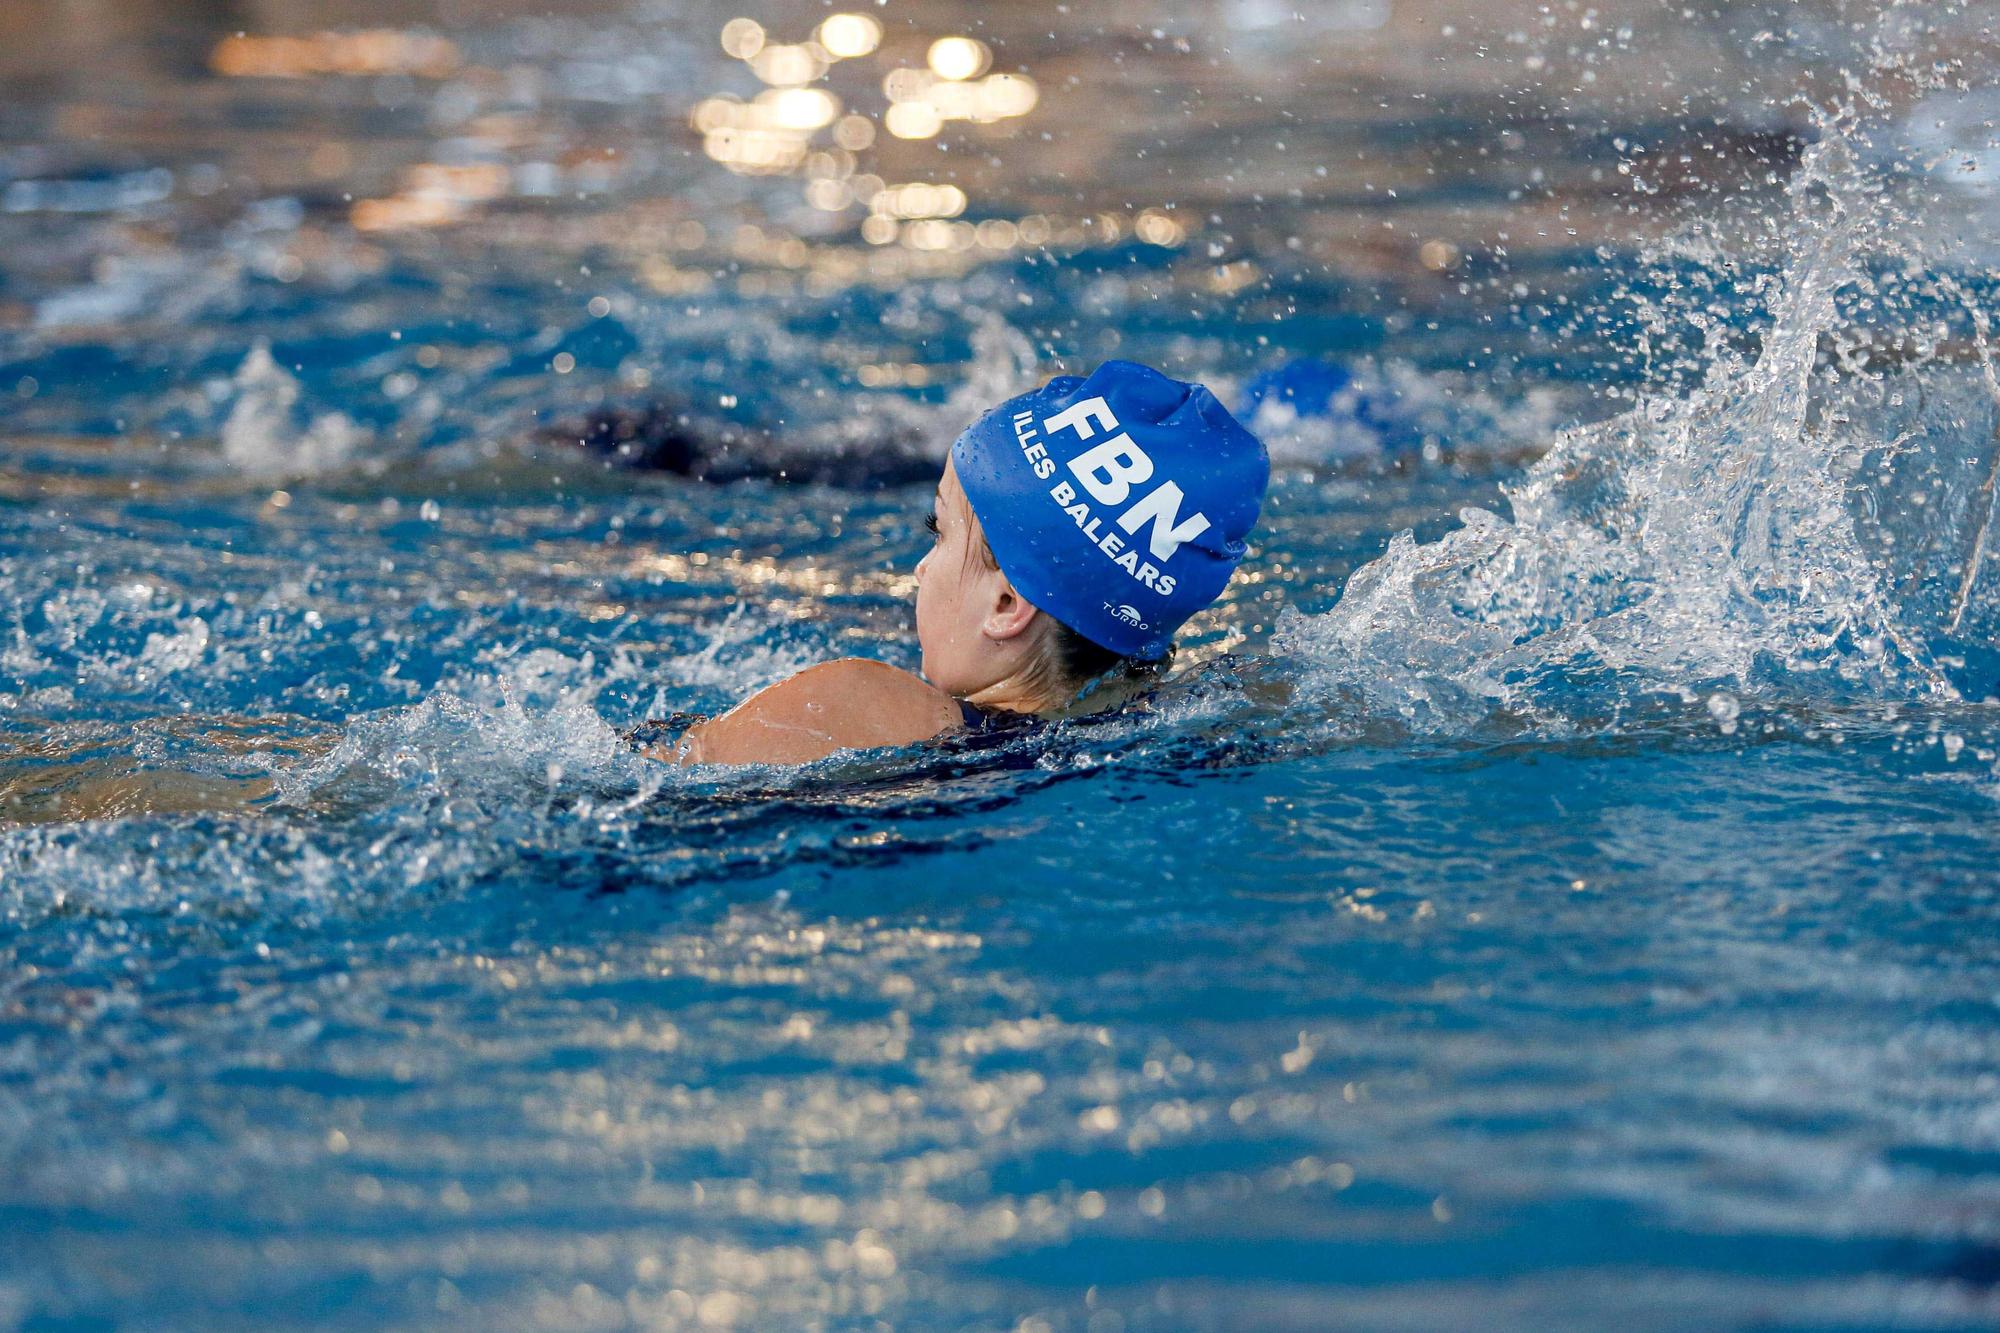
point(269, 868)
point(542, 677)
point(1719, 537)
point(735, 656)
point(165, 654)
point(1003, 366)
point(266, 435)
point(470, 759)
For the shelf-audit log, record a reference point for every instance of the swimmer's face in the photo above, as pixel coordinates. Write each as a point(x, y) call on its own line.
point(968, 617)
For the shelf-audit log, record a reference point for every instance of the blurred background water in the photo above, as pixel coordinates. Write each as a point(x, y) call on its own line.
point(1585, 914)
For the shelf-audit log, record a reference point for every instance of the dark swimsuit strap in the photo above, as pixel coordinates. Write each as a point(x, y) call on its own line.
point(984, 721)
point(979, 721)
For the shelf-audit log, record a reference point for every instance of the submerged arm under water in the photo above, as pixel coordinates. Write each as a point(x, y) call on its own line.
point(72, 793)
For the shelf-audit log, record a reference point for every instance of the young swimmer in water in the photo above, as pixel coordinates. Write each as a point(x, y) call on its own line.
point(1076, 528)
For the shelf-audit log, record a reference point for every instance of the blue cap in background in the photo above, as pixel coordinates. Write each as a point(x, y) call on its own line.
point(1116, 503)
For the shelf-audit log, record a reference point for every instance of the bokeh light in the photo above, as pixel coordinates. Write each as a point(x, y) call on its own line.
point(958, 57)
point(788, 65)
point(374, 51)
point(913, 120)
point(743, 38)
point(849, 36)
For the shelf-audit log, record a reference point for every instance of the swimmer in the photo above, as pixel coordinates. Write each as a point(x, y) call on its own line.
point(667, 436)
point(1075, 529)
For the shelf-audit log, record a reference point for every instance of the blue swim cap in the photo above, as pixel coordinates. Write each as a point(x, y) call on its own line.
point(1313, 390)
point(1307, 386)
point(1118, 504)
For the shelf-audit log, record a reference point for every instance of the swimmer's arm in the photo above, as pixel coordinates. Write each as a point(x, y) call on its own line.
point(851, 704)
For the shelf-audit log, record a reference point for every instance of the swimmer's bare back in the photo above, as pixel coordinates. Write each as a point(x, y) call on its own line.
point(850, 704)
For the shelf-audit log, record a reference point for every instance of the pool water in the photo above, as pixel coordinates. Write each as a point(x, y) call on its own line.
point(1555, 886)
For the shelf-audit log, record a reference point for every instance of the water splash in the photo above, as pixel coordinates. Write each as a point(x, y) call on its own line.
point(1808, 519)
point(739, 655)
point(1001, 363)
point(462, 753)
point(266, 435)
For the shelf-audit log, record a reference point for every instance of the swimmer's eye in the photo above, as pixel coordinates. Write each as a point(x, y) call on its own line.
point(930, 523)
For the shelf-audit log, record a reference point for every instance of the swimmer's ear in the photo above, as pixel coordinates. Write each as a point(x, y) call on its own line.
point(1010, 614)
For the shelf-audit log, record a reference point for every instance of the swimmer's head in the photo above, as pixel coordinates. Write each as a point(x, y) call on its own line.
point(1115, 506)
point(982, 640)
point(1118, 504)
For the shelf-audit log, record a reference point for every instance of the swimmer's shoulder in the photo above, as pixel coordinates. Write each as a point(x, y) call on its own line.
point(848, 704)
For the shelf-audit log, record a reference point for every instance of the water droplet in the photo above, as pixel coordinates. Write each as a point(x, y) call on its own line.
point(1725, 710)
